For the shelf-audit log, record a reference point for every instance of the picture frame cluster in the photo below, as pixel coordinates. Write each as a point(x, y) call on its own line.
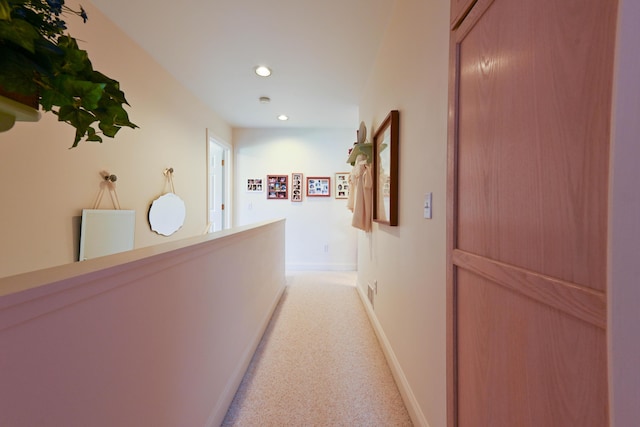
point(254, 185)
point(296, 187)
point(342, 185)
point(278, 187)
point(319, 186)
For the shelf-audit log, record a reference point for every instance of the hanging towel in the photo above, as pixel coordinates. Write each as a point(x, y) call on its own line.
point(362, 187)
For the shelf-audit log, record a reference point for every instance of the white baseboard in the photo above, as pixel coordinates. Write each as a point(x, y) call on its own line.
point(321, 267)
point(417, 417)
point(220, 410)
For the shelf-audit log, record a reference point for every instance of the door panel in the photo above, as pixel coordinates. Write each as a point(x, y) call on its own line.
point(530, 102)
point(458, 9)
point(534, 97)
point(532, 366)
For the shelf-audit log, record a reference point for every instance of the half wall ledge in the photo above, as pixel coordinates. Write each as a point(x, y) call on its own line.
point(157, 336)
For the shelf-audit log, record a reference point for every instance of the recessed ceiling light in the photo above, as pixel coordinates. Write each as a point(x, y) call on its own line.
point(283, 117)
point(263, 71)
point(264, 99)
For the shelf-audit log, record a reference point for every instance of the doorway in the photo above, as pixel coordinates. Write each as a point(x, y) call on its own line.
point(218, 155)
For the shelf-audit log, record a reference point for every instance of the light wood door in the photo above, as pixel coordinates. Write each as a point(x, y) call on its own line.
point(530, 102)
point(458, 10)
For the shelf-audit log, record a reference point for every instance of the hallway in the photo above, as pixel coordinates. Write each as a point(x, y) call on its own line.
point(319, 362)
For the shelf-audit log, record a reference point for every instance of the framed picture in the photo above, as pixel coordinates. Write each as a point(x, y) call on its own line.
point(342, 185)
point(254, 185)
point(318, 186)
point(278, 187)
point(296, 187)
point(385, 170)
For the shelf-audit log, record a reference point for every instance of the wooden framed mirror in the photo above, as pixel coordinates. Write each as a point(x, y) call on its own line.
point(385, 170)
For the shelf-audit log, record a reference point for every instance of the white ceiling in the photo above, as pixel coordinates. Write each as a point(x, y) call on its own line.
point(321, 53)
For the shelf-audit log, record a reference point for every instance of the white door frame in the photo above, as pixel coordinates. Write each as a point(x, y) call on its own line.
point(227, 182)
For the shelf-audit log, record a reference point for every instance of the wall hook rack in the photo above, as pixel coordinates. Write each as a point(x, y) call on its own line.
point(168, 172)
point(110, 177)
point(109, 183)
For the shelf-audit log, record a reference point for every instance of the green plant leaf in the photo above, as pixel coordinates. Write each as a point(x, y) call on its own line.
point(5, 11)
point(109, 130)
point(37, 57)
point(92, 135)
point(122, 119)
point(56, 93)
point(97, 76)
point(20, 33)
point(75, 61)
point(16, 73)
point(78, 137)
point(116, 94)
point(116, 115)
point(87, 93)
point(79, 118)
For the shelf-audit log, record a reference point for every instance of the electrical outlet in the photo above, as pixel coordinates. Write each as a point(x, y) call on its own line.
point(370, 294)
point(375, 287)
point(326, 248)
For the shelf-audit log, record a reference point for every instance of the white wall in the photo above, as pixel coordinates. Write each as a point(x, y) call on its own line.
point(409, 260)
point(318, 232)
point(44, 186)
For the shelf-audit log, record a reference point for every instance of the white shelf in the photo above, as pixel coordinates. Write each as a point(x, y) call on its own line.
point(12, 111)
point(365, 148)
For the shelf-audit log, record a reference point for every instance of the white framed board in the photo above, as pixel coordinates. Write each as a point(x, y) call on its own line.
point(105, 232)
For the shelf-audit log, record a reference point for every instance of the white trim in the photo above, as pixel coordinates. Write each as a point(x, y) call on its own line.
point(321, 267)
point(410, 401)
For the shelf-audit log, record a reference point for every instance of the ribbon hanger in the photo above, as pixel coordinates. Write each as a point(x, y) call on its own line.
point(109, 183)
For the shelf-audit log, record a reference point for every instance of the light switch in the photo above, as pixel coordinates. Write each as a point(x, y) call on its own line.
point(427, 205)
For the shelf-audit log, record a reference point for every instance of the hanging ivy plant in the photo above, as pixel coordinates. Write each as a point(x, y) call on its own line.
point(38, 57)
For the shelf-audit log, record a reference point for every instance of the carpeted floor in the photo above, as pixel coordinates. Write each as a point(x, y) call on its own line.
point(319, 362)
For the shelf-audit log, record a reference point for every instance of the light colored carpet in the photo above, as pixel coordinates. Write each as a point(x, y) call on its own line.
point(319, 362)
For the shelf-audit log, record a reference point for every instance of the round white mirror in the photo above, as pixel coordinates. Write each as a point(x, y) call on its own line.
point(167, 214)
